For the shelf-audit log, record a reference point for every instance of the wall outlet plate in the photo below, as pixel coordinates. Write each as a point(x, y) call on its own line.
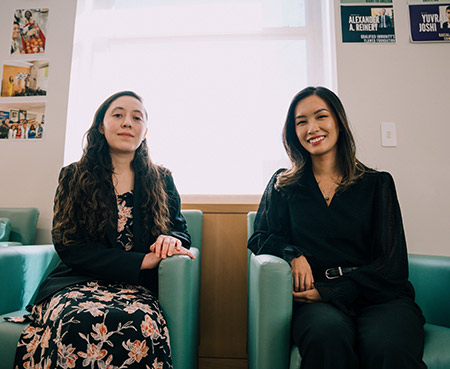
point(388, 134)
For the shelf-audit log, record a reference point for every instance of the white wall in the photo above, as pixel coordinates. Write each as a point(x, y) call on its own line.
point(29, 169)
point(408, 84)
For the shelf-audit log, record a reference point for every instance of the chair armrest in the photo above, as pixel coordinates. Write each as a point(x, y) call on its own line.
point(270, 312)
point(430, 276)
point(179, 297)
point(22, 269)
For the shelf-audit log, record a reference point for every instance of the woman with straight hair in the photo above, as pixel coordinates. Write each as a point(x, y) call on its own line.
point(116, 216)
point(339, 226)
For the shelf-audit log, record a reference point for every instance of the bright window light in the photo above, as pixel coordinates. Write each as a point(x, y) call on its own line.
point(216, 77)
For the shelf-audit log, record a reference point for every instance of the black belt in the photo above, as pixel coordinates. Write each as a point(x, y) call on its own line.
point(333, 273)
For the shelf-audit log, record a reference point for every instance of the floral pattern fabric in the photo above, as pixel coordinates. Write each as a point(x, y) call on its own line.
point(125, 220)
point(96, 325)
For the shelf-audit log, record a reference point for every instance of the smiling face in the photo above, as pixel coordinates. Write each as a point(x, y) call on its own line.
point(124, 125)
point(316, 126)
point(16, 31)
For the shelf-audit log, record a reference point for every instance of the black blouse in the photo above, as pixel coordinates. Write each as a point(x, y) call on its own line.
point(362, 227)
point(112, 257)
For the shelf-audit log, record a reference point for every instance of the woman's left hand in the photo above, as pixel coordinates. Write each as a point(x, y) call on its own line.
point(307, 296)
point(165, 246)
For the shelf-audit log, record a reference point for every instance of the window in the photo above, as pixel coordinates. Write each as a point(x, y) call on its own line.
point(216, 77)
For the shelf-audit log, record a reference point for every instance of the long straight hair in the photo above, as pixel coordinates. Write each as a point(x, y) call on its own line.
point(81, 206)
point(350, 167)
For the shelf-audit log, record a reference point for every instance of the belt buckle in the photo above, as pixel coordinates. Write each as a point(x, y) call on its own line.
point(329, 270)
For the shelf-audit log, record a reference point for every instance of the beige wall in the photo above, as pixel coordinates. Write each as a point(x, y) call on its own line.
point(408, 84)
point(29, 169)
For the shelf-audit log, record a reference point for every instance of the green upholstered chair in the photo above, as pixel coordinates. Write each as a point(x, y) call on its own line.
point(23, 268)
point(270, 309)
point(23, 223)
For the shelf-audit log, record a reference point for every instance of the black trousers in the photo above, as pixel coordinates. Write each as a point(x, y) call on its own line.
point(381, 336)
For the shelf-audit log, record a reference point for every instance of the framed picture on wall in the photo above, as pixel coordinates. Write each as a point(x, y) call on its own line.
point(26, 119)
point(29, 31)
point(14, 116)
point(4, 115)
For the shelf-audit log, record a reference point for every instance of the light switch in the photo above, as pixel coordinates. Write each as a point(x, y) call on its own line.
point(388, 135)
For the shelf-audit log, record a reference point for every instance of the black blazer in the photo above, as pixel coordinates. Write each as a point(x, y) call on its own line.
point(84, 261)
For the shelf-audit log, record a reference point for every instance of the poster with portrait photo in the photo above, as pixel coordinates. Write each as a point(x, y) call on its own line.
point(368, 24)
point(25, 78)
point(29, 29)
point(22, 121)
point(430, 22)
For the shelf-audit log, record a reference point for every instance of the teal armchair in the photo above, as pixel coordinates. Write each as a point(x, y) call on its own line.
point(18, 226)
point(270, 309)
point(23, 268)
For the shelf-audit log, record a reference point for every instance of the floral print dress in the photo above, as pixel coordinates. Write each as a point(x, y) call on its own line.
point(98, 324)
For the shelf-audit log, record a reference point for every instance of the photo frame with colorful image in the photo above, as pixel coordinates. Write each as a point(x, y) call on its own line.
point(24, 78)
point(22, 121)
point(29, 29)
point(4, 115)
point(14, 115)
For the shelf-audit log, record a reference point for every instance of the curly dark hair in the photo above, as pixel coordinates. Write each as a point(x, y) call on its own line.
point(84, 186)
point(350, 167)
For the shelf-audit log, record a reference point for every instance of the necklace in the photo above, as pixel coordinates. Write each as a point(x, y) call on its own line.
point(327, 194)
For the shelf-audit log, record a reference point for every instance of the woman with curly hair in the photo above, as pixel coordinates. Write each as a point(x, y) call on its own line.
point(339, 226)
point(116, 216)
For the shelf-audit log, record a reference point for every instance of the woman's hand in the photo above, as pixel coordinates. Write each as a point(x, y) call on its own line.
point(308, 296)
point(302, 276)
point(151, 260)
point(165, 246)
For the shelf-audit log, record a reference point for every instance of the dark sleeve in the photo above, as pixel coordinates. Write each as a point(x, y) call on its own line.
point(97, 259)
point(386, 277)
point(178, 223)
point(271, 229)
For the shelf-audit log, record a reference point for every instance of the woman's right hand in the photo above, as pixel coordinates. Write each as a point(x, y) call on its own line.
point(151, 260)
point(302, 276)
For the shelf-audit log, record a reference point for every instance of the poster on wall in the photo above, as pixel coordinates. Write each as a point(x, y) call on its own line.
point(29, 29)
point(22, 121)
point(369, 21)
point(429, 21)
point(25, 78)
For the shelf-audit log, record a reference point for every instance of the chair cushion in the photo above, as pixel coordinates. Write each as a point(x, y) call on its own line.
point(5, 229)
point(9, 336)
point(437, 343)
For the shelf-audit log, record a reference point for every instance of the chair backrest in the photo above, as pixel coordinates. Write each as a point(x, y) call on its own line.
point(23, 223)
point(430, 276)
point(194, 219)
